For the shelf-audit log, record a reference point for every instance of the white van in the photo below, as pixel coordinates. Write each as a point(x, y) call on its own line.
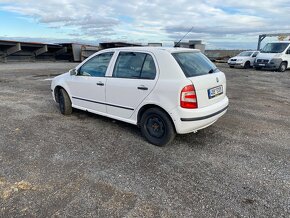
point(274, 56)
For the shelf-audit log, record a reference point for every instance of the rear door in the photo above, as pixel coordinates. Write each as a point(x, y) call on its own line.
point(134, 77)
point(209, 82)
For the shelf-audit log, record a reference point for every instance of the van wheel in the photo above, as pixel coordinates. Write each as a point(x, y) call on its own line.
point(65, 106)
point(157, 127)
point(247, 65)
point(282, 67)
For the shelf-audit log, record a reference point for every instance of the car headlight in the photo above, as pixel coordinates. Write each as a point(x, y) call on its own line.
point(239, 60)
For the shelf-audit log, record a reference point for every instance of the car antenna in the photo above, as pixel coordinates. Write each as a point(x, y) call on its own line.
point(177, 44)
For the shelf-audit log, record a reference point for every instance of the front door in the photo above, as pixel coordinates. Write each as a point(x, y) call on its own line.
point(88, 86)
point(134, 77)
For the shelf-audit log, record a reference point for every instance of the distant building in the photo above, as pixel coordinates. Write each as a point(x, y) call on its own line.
point(34, 51)
point(105, 45)
point(155, 44)
point(194, 44)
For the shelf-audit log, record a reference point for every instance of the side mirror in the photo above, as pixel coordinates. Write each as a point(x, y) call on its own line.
point(73, 72)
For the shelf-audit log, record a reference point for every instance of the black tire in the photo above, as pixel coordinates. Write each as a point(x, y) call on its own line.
point(282, 67)
point(157, 127)
point(247, 65)
point(64, 102)
point(231, 66)
point(258, 68)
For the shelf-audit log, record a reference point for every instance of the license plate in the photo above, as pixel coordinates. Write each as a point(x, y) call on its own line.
point(263, 65)
point(216, 91)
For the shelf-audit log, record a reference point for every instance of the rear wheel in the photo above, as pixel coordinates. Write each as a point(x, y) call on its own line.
point(231, 66)
point(65, 106)
point(282, 67)
point(247, 65)
point(157, 127)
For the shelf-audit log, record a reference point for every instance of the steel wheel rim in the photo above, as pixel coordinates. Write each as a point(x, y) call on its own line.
point(155, 127)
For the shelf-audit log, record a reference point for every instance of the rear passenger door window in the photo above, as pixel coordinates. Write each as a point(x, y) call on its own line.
point(134, 65)
point(149, 69)
point(96, 66)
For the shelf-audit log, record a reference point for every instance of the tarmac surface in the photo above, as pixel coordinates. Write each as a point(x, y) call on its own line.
point(85, 165)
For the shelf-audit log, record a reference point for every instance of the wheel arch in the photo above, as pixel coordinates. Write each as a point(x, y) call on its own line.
point(56, 92)
point(148, 106)
point(286, 67)
point(247, 63)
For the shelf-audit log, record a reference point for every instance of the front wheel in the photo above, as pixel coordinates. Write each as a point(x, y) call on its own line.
point(282, 67)
point(157, 127)
point(247, 65)
point(65, 105)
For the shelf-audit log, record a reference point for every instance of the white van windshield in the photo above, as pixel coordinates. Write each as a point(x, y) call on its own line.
point(274, 47)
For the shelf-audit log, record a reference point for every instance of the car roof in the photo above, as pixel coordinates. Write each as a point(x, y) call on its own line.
point(153, 49)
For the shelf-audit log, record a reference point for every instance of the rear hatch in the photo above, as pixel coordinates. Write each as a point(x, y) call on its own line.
point(209, 82)
point(210, 88)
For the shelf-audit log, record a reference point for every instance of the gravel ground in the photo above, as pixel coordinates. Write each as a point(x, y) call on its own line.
point(86, 165)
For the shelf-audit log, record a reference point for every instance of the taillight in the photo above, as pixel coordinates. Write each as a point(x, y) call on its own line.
point(188, 97)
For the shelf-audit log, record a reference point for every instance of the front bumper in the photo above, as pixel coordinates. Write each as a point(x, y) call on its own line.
point(192, 120)
point(236, 64)
point(274, 64)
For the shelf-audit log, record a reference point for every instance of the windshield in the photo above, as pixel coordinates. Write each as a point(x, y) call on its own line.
point(194, 64)
point(246, 54)
point(274, 47)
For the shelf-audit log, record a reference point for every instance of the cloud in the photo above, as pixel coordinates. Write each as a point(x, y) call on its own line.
point(158, 20)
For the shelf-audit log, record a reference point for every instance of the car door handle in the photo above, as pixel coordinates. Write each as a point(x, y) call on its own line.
point(100, 84)
point(142, 88)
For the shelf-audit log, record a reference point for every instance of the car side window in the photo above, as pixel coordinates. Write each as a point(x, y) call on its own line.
point(255, 54)
point(288, 51)
point(149, 69)
point(134, 65)
point(96, 66)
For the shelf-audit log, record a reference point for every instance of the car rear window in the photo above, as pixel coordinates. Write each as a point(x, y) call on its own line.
point(194, 63)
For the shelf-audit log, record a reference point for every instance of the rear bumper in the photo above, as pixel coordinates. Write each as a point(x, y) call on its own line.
point(191, 120)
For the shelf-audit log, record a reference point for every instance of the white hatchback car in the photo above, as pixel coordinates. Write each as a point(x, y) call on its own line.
point(162, 90)
point(245, 59)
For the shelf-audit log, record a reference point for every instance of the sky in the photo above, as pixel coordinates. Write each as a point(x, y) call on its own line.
point(221, 24)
